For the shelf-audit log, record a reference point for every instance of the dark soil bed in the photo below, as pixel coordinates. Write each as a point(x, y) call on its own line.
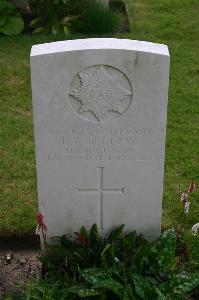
point(22, 264)
point(17, 270)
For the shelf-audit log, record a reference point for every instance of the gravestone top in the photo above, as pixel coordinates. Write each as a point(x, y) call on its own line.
point(99, 43)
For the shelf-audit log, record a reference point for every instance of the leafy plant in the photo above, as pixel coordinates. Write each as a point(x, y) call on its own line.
point(119, 266)
point(43, 289)
point(54, 16)
point(11, 23)
point(51, 16)
point(97, 18)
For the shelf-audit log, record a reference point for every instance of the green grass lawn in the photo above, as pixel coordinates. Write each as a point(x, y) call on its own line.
point(171, 22)
point(175, 23)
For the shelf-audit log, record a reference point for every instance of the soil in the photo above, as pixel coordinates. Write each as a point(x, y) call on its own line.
point(17, 270)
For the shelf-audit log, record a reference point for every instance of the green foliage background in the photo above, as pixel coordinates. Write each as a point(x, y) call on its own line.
point(11, 23)
point(88, 16)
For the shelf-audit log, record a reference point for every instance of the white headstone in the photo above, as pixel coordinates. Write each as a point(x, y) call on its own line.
point(100, 109)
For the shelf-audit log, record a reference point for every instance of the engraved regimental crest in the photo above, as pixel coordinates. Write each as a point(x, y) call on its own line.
point(100, 93)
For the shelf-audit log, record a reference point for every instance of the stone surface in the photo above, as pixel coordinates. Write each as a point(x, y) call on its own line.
point(100, 109)
point(105, 2)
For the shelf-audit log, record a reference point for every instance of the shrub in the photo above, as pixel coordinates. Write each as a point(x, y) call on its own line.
point(11, 22)
point(50, 16)
point(96, 18)
point(88, 16)
point(119, 266)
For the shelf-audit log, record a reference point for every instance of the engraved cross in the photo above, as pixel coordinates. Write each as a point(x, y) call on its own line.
point(101, 190)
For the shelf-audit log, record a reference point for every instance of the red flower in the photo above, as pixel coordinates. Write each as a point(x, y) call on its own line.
point(80, 238)
point(192, 187)
point(40, 222)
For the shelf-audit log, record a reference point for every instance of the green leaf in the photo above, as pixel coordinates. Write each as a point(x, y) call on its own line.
point(84, 292)
point(180, 284)
point(3, 4)
point(35, 22)
point(141, 285)
point(3, 20)
point(162, 253)
point(115, 234)
point(129, 239)
point(95, 275)
point(6, 5)
point(66, 242)
point(66, 30)
point(84, 232)
point(94, 234)
point(13, 26)
point(55, 29)
point(160, 295)
point(113, 285)
point(128, 295)
point(68, 19)
point(38, 30)
point(107, 255)
point(57, 253)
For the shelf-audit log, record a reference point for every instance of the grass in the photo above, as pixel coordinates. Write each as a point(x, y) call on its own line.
point(175, 23)
point(171, 22)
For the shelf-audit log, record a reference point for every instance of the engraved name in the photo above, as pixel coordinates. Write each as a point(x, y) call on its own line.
point(97, 144)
